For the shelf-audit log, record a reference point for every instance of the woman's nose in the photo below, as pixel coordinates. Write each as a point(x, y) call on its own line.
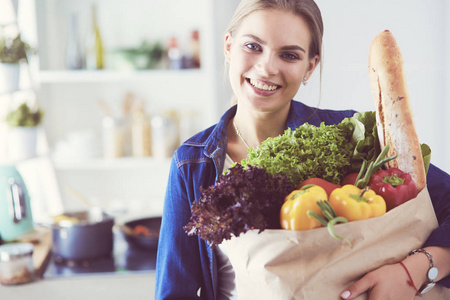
point(267, 64)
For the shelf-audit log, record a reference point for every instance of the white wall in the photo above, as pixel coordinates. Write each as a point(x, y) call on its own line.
point(421, 29)
point(446, 96)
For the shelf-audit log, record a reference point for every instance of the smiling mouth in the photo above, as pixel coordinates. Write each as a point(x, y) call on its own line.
point(262, 86)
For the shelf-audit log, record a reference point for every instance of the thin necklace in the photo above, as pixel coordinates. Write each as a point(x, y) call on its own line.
point(239, 135)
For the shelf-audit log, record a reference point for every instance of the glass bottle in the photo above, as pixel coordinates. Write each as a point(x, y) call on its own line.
point(74, 58)
point(174, 54)
point(195, 48)
point(94, 51)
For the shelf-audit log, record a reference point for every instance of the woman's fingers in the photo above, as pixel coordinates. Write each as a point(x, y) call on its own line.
point(386, 282)
point(358, 287)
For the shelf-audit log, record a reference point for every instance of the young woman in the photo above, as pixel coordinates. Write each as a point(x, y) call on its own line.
point(272, 47)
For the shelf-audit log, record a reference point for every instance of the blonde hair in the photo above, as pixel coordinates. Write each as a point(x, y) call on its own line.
point(306, 9)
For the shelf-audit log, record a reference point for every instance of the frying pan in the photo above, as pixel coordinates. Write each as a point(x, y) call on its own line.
point(147, 242)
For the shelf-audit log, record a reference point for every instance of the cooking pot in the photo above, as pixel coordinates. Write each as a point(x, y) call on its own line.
point(15, 210)
point(82, 235)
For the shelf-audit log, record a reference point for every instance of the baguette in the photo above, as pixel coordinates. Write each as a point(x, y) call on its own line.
point(395, 124)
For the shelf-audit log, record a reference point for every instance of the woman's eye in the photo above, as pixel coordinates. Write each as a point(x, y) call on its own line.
point(253, 47)
point(290, 56)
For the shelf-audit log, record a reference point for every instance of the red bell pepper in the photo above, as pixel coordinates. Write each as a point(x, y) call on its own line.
point(395, 186)
point(327, 186)
point(349, 179)
point(361, 179)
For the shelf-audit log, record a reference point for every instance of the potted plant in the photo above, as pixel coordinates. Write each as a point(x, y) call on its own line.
point(22, 137)
point(12, 52)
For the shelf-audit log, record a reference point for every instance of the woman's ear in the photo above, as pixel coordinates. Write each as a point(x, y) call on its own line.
point(227, 47)
point(313, 62)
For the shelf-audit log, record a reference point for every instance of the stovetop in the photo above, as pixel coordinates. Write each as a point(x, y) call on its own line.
point(125, 259)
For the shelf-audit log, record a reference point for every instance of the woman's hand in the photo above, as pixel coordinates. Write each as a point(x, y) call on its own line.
point(386, 282)
point(391, 281)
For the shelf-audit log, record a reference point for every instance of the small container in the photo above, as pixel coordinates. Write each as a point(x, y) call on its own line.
point(165, 136)
point(141, 135)
point(114, 135)
point(16, 263)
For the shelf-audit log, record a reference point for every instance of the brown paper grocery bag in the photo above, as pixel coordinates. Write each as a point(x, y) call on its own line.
point(283, 264)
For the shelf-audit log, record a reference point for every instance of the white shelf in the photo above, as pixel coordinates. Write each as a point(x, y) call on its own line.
point(70, 96)
point(116, 164)
point(107, 76)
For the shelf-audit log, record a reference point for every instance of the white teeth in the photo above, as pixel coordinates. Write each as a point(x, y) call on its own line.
point(261, 86)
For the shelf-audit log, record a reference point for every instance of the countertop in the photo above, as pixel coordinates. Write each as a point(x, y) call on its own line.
point(133, 279)
point(127, 286)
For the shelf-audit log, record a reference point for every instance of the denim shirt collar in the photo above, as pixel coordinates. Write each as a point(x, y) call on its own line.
point(299, 114)
point(216, 144)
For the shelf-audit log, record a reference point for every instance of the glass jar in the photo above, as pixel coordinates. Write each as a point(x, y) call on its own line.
point(141, 135)
point(16, 263)
point(114, 134)
point(165, 135)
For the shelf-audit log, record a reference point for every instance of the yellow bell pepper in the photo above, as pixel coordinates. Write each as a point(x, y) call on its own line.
point(293, 215)
point(356, 204)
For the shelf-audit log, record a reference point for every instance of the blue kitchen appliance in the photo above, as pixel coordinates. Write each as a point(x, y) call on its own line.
point(15, 210)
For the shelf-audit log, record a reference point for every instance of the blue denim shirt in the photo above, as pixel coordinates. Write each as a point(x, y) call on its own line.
point(186, 266)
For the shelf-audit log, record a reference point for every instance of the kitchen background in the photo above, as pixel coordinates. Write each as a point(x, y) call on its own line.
point(164, 71)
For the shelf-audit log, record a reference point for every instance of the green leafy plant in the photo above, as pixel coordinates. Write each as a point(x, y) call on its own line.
point(24, 116)
point(323, 151)
point(12, 51)
point(145, 56)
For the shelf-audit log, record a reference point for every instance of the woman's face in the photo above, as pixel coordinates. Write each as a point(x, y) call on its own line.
point(268, 58)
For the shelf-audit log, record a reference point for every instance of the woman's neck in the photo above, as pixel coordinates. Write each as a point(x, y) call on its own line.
point(253, 130)
point(249, 131)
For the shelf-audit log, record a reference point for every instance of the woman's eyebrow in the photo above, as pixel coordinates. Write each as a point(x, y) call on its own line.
point(293, 47)
point(257, 39)
point(284, 48)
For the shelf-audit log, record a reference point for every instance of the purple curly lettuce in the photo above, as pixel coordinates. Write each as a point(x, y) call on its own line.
point(240, 201)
